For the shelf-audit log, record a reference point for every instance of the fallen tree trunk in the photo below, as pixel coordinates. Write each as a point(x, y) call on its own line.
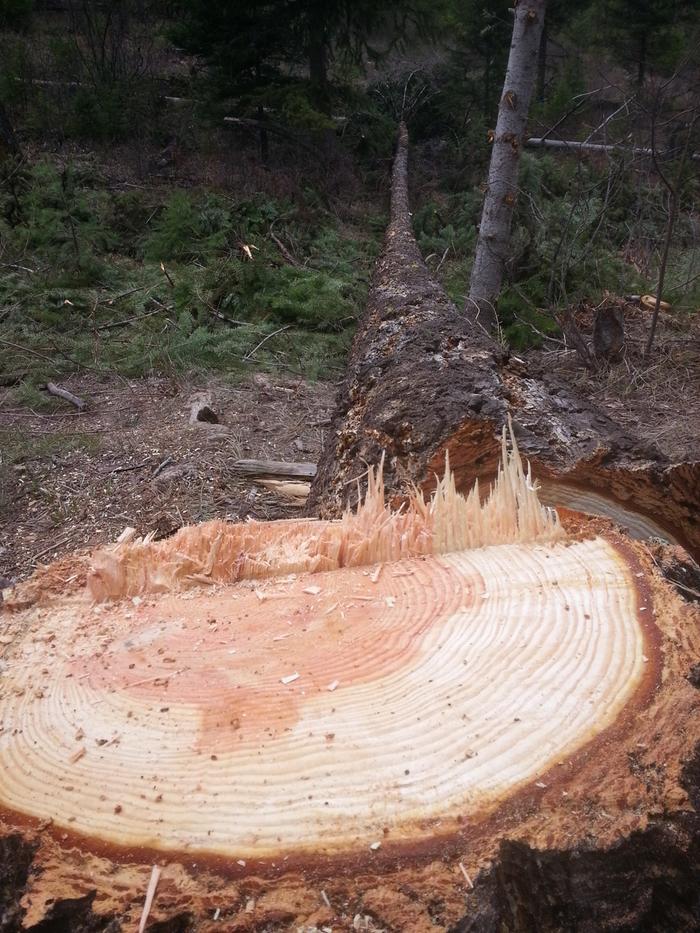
point(422, 383)
point(573, 145)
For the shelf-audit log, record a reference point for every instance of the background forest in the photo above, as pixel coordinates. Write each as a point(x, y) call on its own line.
point(187, 185)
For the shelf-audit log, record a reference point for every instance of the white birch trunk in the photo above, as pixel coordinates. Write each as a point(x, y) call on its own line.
point(502, 186)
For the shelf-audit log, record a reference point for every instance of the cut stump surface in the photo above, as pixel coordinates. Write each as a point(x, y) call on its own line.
point(301, 747)
point(322, 714)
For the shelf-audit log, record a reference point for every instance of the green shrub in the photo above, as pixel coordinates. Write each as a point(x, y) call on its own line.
point(189, 228)
point(55, 216)
point(450, 225)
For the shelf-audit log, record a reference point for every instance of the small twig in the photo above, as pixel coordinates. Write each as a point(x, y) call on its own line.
point(167, 275)
point(161, 466)
point(54, 389)
point(126, 469)
point(130, 320)
point(17, 346)
point(285, 252)
point(53, 547)
point(264, 340)
point(444, 257)
point(131, 291)
point(466, 875)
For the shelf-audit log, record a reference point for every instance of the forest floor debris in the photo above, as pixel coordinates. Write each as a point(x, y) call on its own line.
point(73, 480)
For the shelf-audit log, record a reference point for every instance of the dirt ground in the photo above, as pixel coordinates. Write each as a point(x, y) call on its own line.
point(70, 481)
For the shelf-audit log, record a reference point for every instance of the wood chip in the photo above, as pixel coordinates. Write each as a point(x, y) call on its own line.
point(332, 685)
point(312, 590)
point(375, 845)
point(150, 893)
point(466, 875)
point(289, 679)
point(374, 576)
point(77, 755)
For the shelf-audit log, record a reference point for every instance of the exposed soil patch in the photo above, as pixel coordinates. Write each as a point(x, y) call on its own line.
point(72, 480)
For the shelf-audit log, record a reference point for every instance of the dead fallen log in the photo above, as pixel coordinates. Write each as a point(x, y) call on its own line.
point(423, 383)
point(60, 392)
point(573, 145)
point(275, 468)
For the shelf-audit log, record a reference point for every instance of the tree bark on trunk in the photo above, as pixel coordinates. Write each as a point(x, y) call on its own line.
point(502, 185)
point(542, 64)
point(318, 66)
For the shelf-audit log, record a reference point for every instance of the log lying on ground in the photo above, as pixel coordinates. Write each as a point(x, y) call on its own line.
point(422, 382)
point(573, 145)
point(370, 723)
point(276, 468)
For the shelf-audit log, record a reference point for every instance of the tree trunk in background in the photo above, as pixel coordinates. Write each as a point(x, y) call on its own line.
point(642, 60)
point(502, 186)
point(318, 66)
point(542, 65)
point(8, 140)
point(264, 140)
point(422, 381)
